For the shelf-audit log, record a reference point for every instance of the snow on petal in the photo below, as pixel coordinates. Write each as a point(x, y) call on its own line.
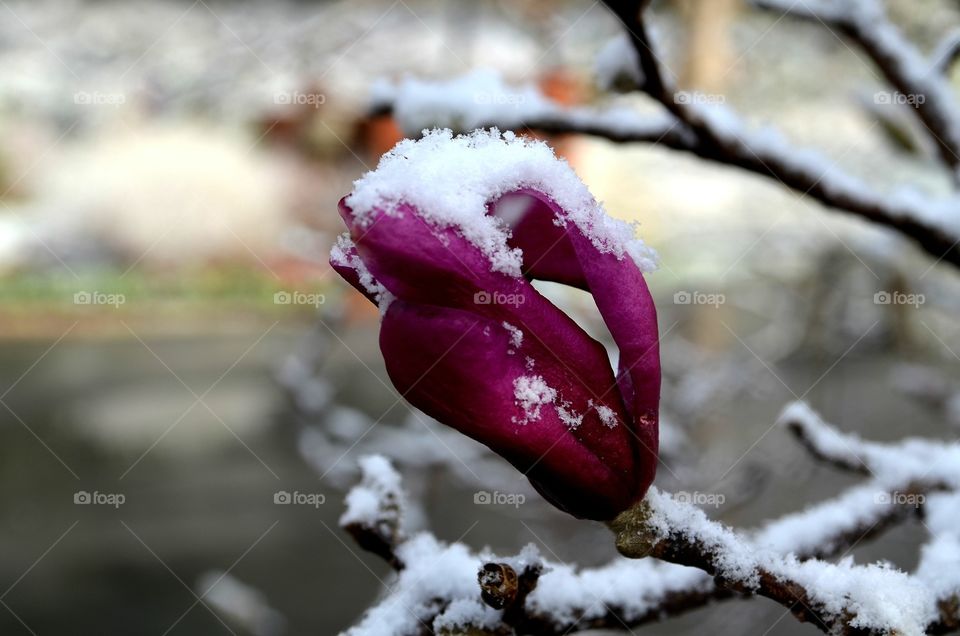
point(451, 180)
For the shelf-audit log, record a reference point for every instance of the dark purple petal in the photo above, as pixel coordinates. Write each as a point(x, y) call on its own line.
point(343, 265)
point(454, 365)
point(565, 255)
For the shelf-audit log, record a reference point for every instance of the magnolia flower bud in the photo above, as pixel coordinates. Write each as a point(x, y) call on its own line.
point(446, 236)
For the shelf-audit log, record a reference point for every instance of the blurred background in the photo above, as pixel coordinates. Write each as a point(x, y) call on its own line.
point(175, 355)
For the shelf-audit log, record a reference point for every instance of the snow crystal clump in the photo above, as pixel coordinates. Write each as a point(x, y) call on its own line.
point(607, 415)
point(634, 587)
point(531, 393)
point(465, 613)
point(529, 557)
point(939, 560)
point(450, 180)
point(516, 336)
point(433, 571)
point(878, 596)
point(568, 416)
point(380, 486)
point(738, 559)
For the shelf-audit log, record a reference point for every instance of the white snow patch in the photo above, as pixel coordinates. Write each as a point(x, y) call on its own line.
point(738, 559)
point(516, 336)
point(878, 596)
point(450, 180)
point(433, 571)
point(568, 416)
point(812, 529)
point(531, 393)
point(370, 500)
point(607, 415)
point(634, 587)
point(464, 613)
point(939, 566)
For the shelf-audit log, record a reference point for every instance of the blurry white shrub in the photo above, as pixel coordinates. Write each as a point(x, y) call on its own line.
point(171, 193)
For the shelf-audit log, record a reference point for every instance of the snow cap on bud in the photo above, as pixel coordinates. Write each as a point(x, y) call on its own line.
point(445, 237)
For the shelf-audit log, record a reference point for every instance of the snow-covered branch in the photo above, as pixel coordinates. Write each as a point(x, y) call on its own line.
point(838, 598)
point(940, 558)
point(449, 587)
point(770, 563)
point(922, 461)
point(904, 475)
point(482, 100)
point(717, 136)
point(374, 510)
point(919, 80)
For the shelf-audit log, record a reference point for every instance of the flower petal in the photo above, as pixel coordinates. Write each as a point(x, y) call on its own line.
point(563, 254)
point(456, 367)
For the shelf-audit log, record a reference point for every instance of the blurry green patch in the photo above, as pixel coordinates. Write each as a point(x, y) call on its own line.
point(203, 288)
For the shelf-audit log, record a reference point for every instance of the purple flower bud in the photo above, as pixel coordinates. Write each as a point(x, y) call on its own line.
point(445, 236)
